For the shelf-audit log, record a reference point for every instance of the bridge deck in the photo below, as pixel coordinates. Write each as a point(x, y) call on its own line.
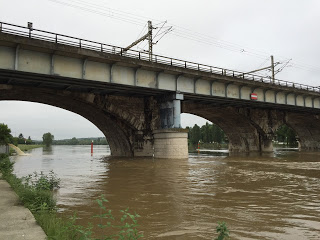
point(47, 59)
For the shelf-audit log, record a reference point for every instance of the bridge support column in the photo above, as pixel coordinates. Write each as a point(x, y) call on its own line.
point(171, 141)
point(266, 145)
point(170, 110)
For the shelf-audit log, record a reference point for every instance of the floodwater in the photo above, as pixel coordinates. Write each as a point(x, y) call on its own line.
point(262, 197)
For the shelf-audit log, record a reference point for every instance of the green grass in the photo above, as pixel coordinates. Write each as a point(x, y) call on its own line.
point(24, 147)
point(39, 199)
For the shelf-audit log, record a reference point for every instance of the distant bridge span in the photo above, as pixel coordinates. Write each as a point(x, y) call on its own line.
point(136, 101)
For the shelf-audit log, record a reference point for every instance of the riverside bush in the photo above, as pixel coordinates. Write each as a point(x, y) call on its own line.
point(41, 181)
point(36, 193)
point(127, 226)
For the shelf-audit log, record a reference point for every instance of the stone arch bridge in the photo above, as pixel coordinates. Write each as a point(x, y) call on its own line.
point(136, 101)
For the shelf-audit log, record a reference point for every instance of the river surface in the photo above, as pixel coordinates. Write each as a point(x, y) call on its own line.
point(264, 197)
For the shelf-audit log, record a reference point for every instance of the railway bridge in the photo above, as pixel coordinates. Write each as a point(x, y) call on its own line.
point(136, 99)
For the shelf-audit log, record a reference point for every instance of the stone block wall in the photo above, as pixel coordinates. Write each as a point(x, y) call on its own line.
point(170, 144)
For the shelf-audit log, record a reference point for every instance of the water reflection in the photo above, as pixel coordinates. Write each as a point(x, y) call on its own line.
point(260, 197)
point(47, 150)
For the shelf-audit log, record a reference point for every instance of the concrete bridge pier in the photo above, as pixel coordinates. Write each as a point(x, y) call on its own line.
point(266, 144)
point(170, 141)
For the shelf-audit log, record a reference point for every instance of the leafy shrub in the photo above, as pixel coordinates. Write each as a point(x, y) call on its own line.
point(6, 166)
point(223, 231)
point(127, 226)
point(41, 181)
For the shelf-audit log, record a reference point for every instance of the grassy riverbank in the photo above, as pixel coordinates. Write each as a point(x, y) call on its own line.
point(25, 147)
point(36, 193)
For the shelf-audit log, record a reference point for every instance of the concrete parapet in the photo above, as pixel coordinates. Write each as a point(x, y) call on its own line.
point(170, 143)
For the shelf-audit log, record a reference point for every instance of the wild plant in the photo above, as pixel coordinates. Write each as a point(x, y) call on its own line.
point(223, 231)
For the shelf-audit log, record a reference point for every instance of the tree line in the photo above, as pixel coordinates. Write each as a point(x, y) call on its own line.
point(6, 137)
point(208, 133)
point(211, 133)
point(81, 141)
point(286, 136)
point(47, 139)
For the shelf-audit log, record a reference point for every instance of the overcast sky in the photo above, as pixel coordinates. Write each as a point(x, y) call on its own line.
point(233, 34)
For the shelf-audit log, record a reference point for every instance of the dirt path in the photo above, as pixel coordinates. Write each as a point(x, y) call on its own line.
point(18, 150)
point(16, 221)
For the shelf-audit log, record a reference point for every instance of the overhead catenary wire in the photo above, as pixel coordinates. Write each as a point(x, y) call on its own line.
point(178, 31)
point(100, 12)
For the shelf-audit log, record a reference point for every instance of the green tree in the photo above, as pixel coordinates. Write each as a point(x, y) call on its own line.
point(205, 133)
point(281, 133)
point(196, 134)
point(21, 139)
point(29, 141)
point(47, 139)
point(5, 134)
point(74, 141)
point(291, 137)
point(218, 134)
point(287, 135)
point(15, 141)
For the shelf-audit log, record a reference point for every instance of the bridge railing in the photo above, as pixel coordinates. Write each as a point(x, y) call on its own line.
point(142, 55)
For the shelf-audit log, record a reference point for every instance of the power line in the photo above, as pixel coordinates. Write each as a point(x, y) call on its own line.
point(99, 12)
point(178, 31)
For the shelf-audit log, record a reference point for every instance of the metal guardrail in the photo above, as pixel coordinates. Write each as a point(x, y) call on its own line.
point(106, 48)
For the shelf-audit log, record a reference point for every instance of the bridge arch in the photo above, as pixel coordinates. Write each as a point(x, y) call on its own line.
point(307, 127)
point(252, 129)
point(125, 132)
point(242, 135)
point(201, 129)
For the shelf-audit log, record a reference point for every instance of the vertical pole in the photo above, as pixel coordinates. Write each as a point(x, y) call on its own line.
point(199, 147)
point(176, 113)
point(272, 68)
point(150, 39)
point(91, 147)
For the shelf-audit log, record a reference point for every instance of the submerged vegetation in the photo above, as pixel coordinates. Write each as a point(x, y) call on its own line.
point(223, 231)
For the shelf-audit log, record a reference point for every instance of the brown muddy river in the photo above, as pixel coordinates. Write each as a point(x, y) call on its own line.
point(265, 197)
